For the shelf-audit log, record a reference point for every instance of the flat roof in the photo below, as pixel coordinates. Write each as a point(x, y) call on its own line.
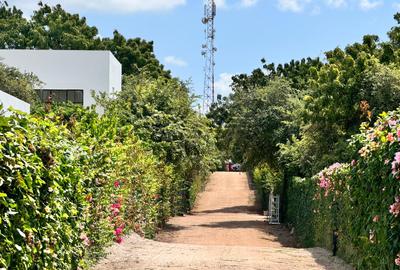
point(50, 51)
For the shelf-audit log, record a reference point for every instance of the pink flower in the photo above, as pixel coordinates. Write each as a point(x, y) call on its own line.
point(116, 206)
point(387, 161)
point(353, 162)
point(397, 260)
point(390, 137)
point(396, 163)
point(115, 212)
point(335, 166)
point(398, 134)
point(86, 241)
point(392, 123)
point(118, 239)
point(397, 157)
point(116, 184)
point(118, 231)
point(376, 218)
point(394, 209)
point(324, 182)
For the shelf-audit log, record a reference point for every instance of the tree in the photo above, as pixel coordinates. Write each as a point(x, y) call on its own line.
point(18, 84)
point(54, 28)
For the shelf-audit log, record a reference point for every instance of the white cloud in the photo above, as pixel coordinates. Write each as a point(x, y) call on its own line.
point(316, 10)
point(234, 3)
point(174, 61)
point(396, 6)
point(121, 6)
point(248, 3)
point(293, 5)
point(336, 3)
point(220, 3)
point(368, 4)
point(223, 84)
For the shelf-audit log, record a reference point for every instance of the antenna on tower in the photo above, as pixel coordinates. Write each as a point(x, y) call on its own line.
point(208, 51)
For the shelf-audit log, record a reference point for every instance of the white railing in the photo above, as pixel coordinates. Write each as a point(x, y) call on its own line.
point(10, 101)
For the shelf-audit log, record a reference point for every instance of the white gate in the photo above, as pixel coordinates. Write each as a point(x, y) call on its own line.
point(273, 209)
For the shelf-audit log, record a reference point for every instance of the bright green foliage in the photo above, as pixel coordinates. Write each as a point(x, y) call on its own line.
point(71, 182)
point(267, 181)
point(319, 111)
point(42, 190)
point(258, 122)
point(18, 84)
point(298, 118)
point(55, 28)
point(360, 201)
point(160, 112)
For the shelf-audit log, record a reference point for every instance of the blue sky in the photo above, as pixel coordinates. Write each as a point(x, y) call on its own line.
point(247, 30)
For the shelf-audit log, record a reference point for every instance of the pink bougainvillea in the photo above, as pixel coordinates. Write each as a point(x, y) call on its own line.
point(118, 231)
point(394, 209)
point(325, 175)
point(324, 182)
point(116, 217)
point(392, 123)
point(390, 137)
point(396, 164)
point(397, 260)
point(85, 239)
point(353, 162)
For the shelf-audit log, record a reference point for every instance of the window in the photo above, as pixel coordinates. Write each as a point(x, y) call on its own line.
point(74, 96)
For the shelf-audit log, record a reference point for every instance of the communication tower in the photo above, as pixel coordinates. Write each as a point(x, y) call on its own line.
point(208, 51)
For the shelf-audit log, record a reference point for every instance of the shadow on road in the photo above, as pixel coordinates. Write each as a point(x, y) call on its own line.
point(232, 209)
point(273, 233)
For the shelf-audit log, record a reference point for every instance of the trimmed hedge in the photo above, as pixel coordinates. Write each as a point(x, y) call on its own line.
point(360, 200)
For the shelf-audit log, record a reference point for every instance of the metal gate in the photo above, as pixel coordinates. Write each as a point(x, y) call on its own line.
point(273, 209)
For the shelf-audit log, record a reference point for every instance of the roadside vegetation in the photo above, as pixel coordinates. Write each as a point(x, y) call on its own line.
point(71, 181)
point(289, 123)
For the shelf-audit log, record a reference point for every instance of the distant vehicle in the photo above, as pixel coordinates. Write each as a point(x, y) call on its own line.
point(236, 167)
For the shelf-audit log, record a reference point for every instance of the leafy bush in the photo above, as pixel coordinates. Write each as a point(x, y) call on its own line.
point(266, 180)
point(71, 182)
point(359, 200)
point(42, 195)
point(160, 112)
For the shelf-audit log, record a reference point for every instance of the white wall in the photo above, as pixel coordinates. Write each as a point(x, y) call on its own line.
point(115, 74)
point(10, 101)
point(69, 69)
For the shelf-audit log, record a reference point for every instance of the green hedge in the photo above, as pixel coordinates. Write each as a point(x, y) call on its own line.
point(299, 210)
point(71, 182)
point(360, 200)
point(266, 180)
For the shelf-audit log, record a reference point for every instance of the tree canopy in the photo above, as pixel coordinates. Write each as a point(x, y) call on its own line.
point(52, 27)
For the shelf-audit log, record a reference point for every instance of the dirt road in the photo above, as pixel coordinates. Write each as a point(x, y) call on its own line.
point(224, 231)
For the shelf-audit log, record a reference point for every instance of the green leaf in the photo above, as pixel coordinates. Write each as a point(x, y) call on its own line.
point(18, 247)
point(21, 233)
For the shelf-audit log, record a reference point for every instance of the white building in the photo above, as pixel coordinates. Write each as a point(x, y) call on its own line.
point(9, 101)
point(68, 74)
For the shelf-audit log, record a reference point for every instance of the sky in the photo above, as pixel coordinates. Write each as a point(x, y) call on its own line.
point(246, 30)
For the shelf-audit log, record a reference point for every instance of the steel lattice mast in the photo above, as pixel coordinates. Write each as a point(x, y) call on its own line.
point(208, 51)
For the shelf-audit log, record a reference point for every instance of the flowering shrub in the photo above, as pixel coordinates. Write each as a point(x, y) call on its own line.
point(360, 200)
point(43, 209)
point(325, 177)
point(71, 183)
